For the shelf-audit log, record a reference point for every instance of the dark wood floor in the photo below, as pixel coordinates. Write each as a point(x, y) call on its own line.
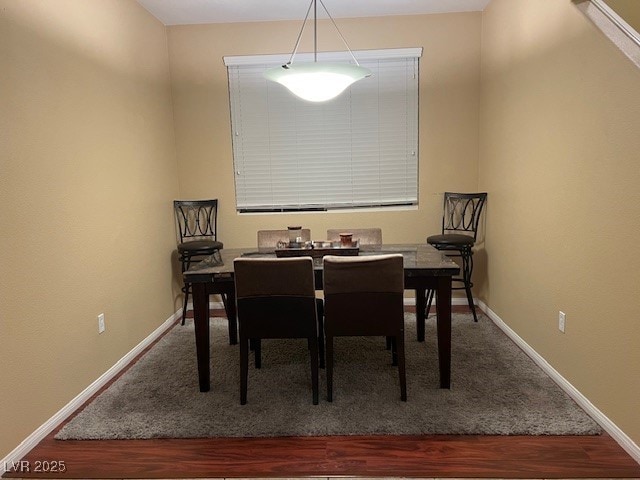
point(415, 456)
point(358, 456)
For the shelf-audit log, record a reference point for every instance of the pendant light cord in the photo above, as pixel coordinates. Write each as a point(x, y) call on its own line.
point(315, 33)
point(304, 23)
point(339, 34)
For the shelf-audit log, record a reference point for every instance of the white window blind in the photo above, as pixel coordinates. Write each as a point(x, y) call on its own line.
point(357, 150)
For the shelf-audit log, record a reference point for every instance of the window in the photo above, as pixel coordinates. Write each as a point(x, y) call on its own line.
point(357, 150)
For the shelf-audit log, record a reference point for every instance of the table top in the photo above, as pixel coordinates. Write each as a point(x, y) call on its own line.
point(419, 260)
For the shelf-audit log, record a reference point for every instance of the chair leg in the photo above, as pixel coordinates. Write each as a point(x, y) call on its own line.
point(430, 296)
point(329, 367)
point(421, 304)
point(388, 343)
point(232, 317)
point(467, 270)
point(314, 367)
point(185, 261)
point(186, 301)
point(244, 369)
point(399, 342)
point(394, 351)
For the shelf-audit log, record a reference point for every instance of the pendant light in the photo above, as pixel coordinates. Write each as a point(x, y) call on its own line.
point(317, 81)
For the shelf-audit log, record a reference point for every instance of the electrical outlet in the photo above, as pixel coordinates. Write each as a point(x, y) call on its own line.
point(101, 326)
point(561, 321)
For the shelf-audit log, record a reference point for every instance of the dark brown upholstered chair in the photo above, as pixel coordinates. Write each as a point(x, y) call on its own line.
point(365, 236)
point(364, 297)
point(268, 239)
point(197, 226)
point(460, 220)
point(276, 298)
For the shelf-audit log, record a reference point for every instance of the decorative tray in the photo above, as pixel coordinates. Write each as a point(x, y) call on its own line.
point(317, 252)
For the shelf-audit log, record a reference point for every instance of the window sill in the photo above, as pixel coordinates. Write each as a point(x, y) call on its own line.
point(351, 211)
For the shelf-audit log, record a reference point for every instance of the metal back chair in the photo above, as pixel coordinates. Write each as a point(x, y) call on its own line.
point(276, 299)
point(364, 297)
point(460, 221)
point(196, 225)
point(365, 236)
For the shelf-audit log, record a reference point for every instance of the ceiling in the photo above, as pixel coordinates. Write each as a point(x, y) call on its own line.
point(184, 12)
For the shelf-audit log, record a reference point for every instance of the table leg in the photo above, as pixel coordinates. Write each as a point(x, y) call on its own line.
point(421, 305)
point(443, 310)
point(201, 323)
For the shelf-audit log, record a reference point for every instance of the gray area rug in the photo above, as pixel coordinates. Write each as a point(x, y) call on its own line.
point(495, 389)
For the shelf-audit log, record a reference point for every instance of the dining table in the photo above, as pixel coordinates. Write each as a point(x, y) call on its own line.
point(425, 268)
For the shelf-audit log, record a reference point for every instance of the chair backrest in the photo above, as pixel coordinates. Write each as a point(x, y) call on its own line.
point(461, 212)
point(196, 219)
point(364, 294)
point(263, 277)
point(275, 297)
point(270, 238)
point(366, 273)
point(365, 236)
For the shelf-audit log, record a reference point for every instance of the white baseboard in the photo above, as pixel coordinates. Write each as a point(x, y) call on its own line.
point(611, 428)
point(45, 429)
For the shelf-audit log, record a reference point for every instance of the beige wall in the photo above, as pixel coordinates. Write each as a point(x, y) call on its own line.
point(560, 116)
point(449, 90)
point(87, 174)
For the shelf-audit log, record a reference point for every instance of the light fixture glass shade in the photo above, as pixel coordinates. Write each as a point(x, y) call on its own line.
point(317, 81)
